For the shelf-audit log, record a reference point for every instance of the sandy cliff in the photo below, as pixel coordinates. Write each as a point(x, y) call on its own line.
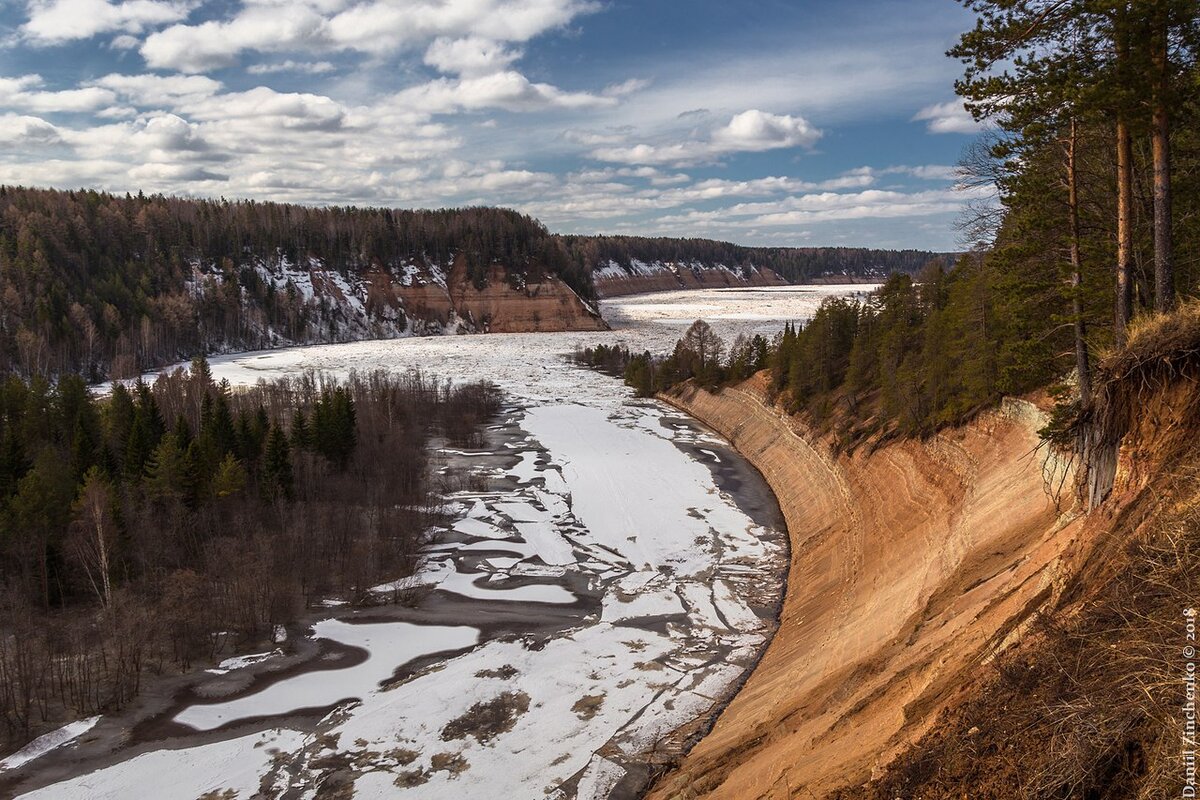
point(912, 565)
point(521, 305)
point(383, 302)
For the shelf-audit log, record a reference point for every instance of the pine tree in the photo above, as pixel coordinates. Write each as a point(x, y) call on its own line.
point(278, 479)
point(301, 436)
point(230, 477)
point(167, 470)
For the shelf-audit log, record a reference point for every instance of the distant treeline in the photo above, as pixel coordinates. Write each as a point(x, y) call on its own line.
point(92, 282)
point(104, 285)
point(916, 355)
point(167, 523)
point(795, 264)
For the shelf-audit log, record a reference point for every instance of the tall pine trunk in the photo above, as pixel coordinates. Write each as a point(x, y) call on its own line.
point(1124, 307)
point(1164, 275)
point(1082, 361)
point(1124, 301)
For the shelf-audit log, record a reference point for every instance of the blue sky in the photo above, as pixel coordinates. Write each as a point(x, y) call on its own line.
point(776, 123)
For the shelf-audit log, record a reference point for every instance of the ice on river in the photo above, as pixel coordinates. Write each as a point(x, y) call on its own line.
point(598, 491)
point(388, 645)
point(229, 769)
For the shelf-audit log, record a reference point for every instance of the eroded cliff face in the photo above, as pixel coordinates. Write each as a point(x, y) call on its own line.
point(406, 298)
point(519, 304)
point(912, 566)
point(640, 277)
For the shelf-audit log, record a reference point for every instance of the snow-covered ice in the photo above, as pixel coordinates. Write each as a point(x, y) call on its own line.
point(388, 644)
point(601, 493)
point(229, 769)
point(47, 742)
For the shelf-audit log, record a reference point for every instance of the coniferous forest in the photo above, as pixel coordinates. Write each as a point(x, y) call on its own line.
point(110, 286)
point(793, 264)
point(167, 523)
point(95, 283)
point(1094, 147)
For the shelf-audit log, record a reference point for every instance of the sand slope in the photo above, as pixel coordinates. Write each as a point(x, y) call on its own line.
point(911, 566)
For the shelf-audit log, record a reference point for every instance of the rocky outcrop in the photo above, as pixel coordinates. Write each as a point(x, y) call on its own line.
point(520, 303)
point(912, 566)
point(640, 277)
point(408, 298)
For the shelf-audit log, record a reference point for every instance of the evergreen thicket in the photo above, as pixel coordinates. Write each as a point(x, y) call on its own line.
point(94, 283)
point(794, 264)
point(1094, 150)
point(169, 522)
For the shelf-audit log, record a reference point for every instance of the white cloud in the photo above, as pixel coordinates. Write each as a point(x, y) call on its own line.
point(754, 130)
point(159, 90)
point(506, 90)
point(625, 87)
point(377, 27)
point(23, 131)
point(926, 172)
point(830, 206)
point(750, 131)
point(172, 173)
point(306, 67)
point(272, 109)
point(472, 55)
point(168, 134)
point(949, 117)
point(213, 45)
point(58, 21)
point(24, 93)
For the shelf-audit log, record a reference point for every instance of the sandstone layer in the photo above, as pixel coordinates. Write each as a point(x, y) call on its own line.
point(521, 304)
point(912, 566)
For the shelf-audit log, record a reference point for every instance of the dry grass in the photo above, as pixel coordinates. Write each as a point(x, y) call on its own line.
point(452, 763)
point(1089, 705)
point(1163, 350)
point(487, 720)
point(588, 706)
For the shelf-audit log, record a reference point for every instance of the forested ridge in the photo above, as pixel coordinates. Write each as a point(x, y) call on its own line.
point(793, 264)
point(168, 523)
point(93, 282)
point(1094, 148)
point(106, 285)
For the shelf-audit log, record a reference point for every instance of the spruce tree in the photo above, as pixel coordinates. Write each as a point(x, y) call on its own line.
point(278, 478)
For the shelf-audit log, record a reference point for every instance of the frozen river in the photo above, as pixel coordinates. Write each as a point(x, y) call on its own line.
point(604, 587)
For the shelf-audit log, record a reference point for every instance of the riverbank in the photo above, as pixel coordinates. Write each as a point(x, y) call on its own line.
point(912, 565)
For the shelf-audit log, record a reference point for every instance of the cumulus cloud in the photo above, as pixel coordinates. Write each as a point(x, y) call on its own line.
point(454, 30)
point(949, 117)
point(23, 131)
point(25, 93)
point(756, 130)
point(271, 109)
point(508, 90)
point(748, 132)
point(159, 90)
point(832, 206)
point(58, 21)
point(172, 173)
point(472, 55)
point(168, 134)
point(383, 131)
